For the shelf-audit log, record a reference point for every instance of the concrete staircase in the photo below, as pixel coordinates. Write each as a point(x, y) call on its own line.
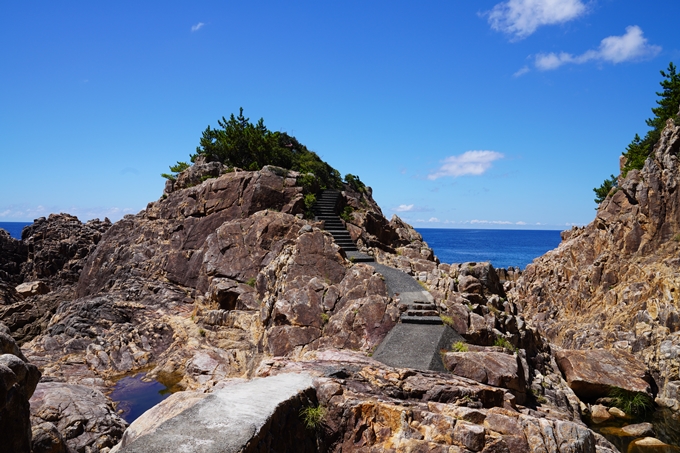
point(326, 209)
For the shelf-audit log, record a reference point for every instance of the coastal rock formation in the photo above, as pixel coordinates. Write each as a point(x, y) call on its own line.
point(615, 283)
point(48, 261)
point(18, 380)
point(74, 418)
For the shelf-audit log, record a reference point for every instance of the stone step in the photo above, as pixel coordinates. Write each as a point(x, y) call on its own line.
point(420, 319)
point(422, 313)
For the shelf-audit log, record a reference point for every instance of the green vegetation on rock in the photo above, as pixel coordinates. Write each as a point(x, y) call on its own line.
point(632, 403)
point(239, 143)
point(175, 169)
point(312, 416)
point(640, 148)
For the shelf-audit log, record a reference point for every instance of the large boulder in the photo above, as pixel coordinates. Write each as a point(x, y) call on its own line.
point(18, 380)
point(489, 367)
point(593, 374)
point(262, 414)
point(84, 419)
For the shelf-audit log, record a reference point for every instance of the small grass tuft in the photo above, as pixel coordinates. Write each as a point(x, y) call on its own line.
point(312, 416)
point(632, 403)
point(505, 344)
point(251, 282)
point(448, 320)
point(324, 318)
point(424, 285)
point(459, 346)
point(201, 332)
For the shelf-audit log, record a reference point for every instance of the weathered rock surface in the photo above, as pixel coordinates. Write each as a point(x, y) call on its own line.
point(374, 408)
point(261, 414)
point(595, 373)
point(83, 417)
point(498, 369)
point(614, 283)
point(18, 380)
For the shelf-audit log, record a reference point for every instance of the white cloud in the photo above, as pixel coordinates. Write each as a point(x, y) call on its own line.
point(197, 27)
point(490, 222)
point(520, 223)
point(522, 17)
point(404, 208)
point(522, 71)
point(433, 220)
point(468, 163)
point(631, 46)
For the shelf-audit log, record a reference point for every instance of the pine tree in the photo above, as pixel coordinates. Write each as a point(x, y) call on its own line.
point(640, 148)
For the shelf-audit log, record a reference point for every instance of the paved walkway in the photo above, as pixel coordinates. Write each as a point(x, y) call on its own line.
point(416, 341)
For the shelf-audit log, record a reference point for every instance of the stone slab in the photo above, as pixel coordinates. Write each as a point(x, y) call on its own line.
point(224, 421)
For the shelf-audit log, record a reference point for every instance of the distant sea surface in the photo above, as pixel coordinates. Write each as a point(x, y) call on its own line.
point(14, 228)
point(503, 248)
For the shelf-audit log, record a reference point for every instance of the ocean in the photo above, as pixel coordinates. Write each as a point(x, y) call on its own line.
point(14, 228)
point(503, 248)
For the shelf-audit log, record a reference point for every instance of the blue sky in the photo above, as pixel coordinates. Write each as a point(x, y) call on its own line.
point(458, 113)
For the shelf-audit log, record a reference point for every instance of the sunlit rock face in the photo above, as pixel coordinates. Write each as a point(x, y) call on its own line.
point(616, 282)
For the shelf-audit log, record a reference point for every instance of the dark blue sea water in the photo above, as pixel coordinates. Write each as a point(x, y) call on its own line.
point(135, 396)
point(503, 248)
point(14, 228)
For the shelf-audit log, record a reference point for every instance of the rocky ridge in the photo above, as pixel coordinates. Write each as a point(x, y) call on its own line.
point(615, 284)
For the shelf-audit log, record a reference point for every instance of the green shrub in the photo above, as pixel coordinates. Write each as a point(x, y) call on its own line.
point(310, 200)
point(355, 183)
point(459, 346)
point(346, 214)
point(312, 416)
point(505, 344)
point(632, 403)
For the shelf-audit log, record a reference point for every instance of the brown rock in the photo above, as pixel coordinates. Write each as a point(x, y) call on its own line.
point(493, 368)
point(32, 289)
point(594, 373)
point(469, 435)
point(599, 414)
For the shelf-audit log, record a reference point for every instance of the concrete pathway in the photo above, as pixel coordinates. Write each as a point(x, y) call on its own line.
point(419, 337)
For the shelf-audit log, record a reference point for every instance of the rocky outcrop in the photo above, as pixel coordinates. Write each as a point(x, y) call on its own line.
point(18, 380)
point(614, 283)
point(54, 251)
point(74, 418)
point(12, 255)
point(369, 407)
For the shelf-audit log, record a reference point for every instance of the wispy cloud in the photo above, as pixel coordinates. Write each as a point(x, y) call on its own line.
point(631, 46)
point(468, 163)
point(520, 18)
point(433, 220)
point(197, 27)
point(404, 208)
point(522, 71)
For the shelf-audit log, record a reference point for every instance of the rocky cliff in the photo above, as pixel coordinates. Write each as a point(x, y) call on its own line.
point(615, 284)
point(224, 279)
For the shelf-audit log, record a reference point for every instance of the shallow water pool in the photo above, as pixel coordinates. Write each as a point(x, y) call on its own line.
point(135, 396)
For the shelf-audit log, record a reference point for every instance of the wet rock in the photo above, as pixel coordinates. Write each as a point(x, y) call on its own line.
point(639, 430)
point(599, 414)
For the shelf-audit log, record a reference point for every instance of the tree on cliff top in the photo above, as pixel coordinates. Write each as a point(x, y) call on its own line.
point(240, 143)
point(640, 148)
